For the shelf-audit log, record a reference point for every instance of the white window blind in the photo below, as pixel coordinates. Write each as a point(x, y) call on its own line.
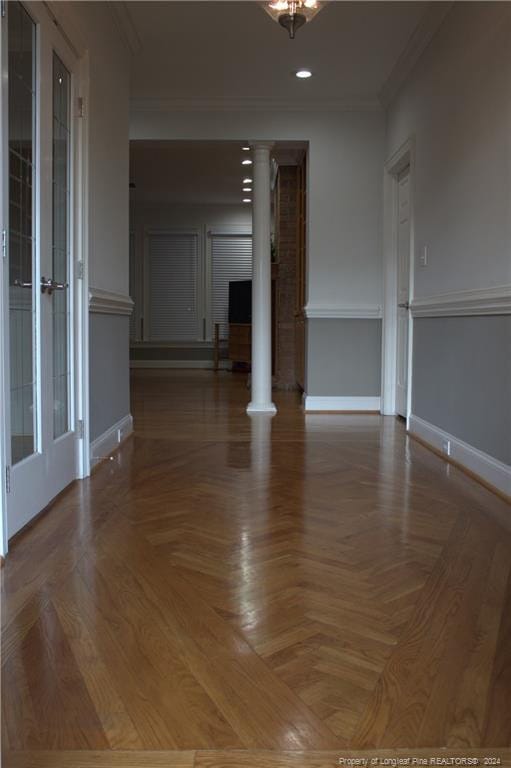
point(231, 259)
point(173, 266)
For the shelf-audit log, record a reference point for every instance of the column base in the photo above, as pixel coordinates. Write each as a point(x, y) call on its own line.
point(261, 408)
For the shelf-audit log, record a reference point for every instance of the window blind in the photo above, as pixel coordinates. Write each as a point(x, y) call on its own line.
point(173, 267)
point(231, 259)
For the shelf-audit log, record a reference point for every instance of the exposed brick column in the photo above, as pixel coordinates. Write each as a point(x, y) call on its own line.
point(286, 241)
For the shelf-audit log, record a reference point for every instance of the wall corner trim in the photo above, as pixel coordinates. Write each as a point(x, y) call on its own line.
point(125, 26)
point(424, 33)
point(327, 403)
point(105, 444)
point(482, 301)
point(489, 470)
point(109, 303)
point(344, 312)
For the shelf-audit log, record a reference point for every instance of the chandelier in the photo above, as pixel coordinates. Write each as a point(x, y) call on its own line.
point(292, 14)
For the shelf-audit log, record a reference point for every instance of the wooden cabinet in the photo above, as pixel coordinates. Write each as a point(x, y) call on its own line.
point(240, 334)
point(240, 342)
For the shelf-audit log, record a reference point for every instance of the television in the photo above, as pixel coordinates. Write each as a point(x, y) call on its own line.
point(240, 301)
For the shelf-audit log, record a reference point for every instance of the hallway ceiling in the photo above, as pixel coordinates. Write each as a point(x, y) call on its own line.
point(232, 51)
point(193, 172)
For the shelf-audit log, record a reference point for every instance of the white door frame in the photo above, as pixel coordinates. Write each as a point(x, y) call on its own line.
point(80, 273)
point(397, 162)
point(4, 219)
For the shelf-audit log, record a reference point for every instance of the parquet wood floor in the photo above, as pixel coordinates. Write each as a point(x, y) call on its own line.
point(234, 591)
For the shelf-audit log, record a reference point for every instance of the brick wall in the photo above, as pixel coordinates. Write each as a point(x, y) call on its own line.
point(286, 247)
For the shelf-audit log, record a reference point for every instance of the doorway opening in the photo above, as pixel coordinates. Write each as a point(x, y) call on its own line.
point(398, 282)
point(191, 256)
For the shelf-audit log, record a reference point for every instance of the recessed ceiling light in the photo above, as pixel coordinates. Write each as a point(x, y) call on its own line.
point(247, 189)
point(303, 74)
point(247, 181)
point(246, 149)
point(247, 200)
point(246, 162)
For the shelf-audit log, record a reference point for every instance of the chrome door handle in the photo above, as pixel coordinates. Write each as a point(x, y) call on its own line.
point(48, 286)
point(404, 305)
point(20, 284)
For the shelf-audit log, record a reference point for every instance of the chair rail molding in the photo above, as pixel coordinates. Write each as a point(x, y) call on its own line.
point(109, 303)
point(482, 301)
point(344, 312)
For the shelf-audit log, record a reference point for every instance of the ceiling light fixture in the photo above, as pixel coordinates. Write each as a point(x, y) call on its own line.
point(292, 14)
point(303, 74)
point(246, 162)
point(246, 149)
point(247, 200)
point(247, 189)
point(247, 181)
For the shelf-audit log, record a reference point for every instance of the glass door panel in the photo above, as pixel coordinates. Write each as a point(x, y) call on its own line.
point(43, 444)
point(22, 304)
point(60, 249)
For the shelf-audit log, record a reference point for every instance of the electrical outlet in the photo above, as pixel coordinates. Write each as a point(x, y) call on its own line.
point(446, 447)
point(423, 259)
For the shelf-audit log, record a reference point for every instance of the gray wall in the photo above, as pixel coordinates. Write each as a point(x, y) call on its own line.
point(462, 379)
point(109, 371)
point(153, 352)
point(343, 357)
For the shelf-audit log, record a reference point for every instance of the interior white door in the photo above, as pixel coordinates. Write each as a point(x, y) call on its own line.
point(403, 290)
point(42, 442)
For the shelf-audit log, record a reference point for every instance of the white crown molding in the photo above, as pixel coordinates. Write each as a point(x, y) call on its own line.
point(109, 303)
point(320, 403)
point(423, 34)
point(483, 301)
point(344, 312)
point(64, 17)
point(251, 105)
point(487, 468)
point(125, 26)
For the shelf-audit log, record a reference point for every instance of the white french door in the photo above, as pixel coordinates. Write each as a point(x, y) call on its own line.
point(39, 317)
point(403, 290)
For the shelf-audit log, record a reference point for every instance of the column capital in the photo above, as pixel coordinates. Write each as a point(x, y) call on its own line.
point(265, 146)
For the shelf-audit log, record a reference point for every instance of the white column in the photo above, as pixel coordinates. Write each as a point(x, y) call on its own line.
point(261, 401)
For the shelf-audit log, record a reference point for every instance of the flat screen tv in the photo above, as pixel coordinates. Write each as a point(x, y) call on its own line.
point(240, 301)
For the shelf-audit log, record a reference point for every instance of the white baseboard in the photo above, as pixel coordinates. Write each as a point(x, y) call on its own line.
point(492, 471)
point(314, 403)
point(103, 445)
point(223, 365)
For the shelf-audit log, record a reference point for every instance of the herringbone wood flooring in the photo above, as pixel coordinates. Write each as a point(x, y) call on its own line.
point(307, 584)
